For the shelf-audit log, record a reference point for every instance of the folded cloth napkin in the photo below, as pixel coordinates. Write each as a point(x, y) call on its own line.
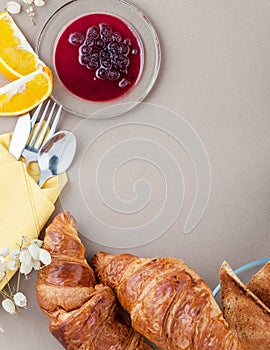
point(24, 206)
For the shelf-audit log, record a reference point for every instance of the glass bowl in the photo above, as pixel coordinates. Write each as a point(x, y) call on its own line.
point(129, 13)
point(244, 273)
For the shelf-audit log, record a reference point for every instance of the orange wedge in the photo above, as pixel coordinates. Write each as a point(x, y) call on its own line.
point(24, 94)
point(17, 58)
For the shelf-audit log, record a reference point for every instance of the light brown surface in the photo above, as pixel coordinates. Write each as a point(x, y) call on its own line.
point(260, 284)
point(168, 302)
point(215, 74)
point(83, 314)
point(248, 317)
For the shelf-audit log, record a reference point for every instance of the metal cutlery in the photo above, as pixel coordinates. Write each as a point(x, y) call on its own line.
point(20, 135)
point(40, 131)
point(56, 155)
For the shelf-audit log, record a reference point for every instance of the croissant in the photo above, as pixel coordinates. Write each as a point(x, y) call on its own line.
point(168, 302)
point(83, 315)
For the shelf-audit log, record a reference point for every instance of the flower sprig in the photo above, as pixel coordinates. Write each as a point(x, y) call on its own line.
point(15, 7)
point(27, 257)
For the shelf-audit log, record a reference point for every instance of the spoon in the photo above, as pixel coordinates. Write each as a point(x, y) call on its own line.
point(56, 155)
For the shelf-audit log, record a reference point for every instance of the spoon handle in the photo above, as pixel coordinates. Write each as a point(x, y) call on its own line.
point(44, 175)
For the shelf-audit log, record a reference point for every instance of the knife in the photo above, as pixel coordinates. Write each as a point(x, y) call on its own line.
point(20, 135)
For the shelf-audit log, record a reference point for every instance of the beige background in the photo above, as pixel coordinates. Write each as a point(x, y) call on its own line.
point(215, 73)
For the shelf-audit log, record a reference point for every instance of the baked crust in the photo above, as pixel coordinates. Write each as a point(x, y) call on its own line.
point(168, 302)
point(83, 314)
point(247, 316)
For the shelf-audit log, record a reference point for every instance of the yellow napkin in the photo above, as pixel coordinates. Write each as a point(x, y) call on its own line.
point(24, 206)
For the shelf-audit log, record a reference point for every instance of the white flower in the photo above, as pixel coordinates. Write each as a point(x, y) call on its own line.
point(34, 251)
point(20, 299)
point(26, 268)
point(13, 7)
point(3, 268)
point(4, 252)
point(12, 265)
point(8, 306)
point(39, 2)
point(44, 256)
point(37, 242)
point(36, 264)
point(25, 256)
point(14, 254)
point(1, 330)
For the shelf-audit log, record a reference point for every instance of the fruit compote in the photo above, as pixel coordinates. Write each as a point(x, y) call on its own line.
point(99, 57)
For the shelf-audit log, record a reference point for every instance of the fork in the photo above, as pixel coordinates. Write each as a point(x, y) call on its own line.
point(37, 138)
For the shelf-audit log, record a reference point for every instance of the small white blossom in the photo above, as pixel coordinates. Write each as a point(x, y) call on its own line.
point(12, 265)
point(36, 265)
point(14, 254)
point(4, 252)
point(25, 256)
point(8, 306)
point(34, 251)
point(20, 299)
point(44, 256)
point(37, 242)
point(3, 268)
point(26, 268)
point(1, 330)
point(2, 260)
point(13, 7)
point(39, 2)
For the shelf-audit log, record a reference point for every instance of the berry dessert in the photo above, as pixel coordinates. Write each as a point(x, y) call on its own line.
point(99, 57)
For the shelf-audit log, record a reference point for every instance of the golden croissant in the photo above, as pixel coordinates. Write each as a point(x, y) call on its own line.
point(83, 315)
point(168, 302)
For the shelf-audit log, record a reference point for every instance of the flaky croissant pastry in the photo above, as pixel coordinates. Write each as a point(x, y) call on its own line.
point(83, 315)
point(168, 302)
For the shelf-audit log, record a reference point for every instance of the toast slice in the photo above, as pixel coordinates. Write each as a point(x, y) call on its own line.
point(248, 317)
point(260, 284)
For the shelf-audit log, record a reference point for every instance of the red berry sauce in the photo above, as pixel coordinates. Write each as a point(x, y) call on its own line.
point(98, 57)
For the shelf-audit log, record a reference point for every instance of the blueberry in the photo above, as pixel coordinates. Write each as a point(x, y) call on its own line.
point(127, 41)
point(92, 65)
point(85, 50)
point(76, 38)
point(114, 47)
point(92, 32)
point(101, 73)
point(105, 30)
point(100, 44)
point(113, 75)
point(84, 59)
point(124, 49)
point(90, 42)
point(116, 37)
point(121, 61)
point(94, 56)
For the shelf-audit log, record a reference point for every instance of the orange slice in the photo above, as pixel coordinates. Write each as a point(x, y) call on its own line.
point(24, 94)
point(17, 58)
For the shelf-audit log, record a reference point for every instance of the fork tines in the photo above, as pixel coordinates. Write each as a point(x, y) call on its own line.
point(40, 132)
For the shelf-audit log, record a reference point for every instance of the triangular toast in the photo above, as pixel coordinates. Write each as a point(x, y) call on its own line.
point(260, 284)
point(247, 316)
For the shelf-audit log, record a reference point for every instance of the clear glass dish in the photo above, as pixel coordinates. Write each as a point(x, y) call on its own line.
point(73, 10)
point(245, 273)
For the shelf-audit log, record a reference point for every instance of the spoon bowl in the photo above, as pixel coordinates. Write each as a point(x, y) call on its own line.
point(56, 155)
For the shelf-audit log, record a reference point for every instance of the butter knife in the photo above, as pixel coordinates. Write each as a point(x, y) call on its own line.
point(20, 135)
